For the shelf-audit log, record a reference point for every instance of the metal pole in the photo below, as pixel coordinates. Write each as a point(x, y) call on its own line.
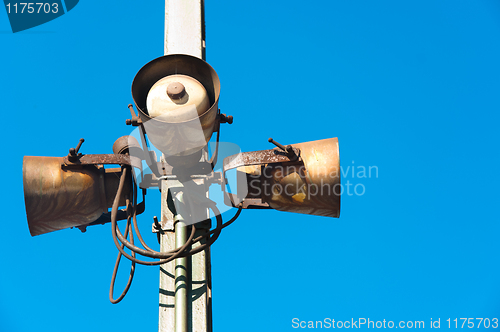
point(185, 27)
point(181, 277)
point(182, 308)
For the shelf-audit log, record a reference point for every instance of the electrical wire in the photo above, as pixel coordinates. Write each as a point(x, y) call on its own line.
point(117, 264)
point(171, 254)
point(163, 257)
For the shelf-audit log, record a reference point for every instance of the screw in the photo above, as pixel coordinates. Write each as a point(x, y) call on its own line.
point(157, 224)
point(278, 145)
point(287, 149)
point(74, 151)
point(226, 118)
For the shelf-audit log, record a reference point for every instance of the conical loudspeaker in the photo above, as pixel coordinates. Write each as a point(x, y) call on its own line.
point(59, 197)
point(301, 178)
point(177, 99)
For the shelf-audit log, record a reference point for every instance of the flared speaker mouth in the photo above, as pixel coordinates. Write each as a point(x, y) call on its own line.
point(179, 133)
point(174, 64)
point(306, 181)
point(58, 197)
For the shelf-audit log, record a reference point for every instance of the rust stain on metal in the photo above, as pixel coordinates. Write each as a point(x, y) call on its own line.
point(309, 185)
point(256, 158)
point(59, 197)
point(104, 159)
point(161, 133)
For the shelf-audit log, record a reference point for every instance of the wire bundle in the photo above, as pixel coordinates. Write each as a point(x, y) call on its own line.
point(187, 249)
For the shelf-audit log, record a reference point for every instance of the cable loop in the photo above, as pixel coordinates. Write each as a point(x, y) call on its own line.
point(120, 240)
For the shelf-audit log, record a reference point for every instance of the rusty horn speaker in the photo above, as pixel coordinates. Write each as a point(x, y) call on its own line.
point(301, 178)
point(59, 197)
point(177, 99)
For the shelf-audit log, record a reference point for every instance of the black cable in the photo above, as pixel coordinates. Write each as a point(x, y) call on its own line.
point(114, 210)
point(116, 233)
point(148, 252)
point(237, 214)
point(139, 236)
point(211, 239)
point(172, 254)
point(117, 264)
point(164, 254)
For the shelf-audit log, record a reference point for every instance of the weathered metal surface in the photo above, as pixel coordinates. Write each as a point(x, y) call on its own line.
point(104, 159)
point(288, 150)
point(59, 197)
point(173, 283)
point(190, 134)
point(110, 185)
point(257, 158)
point(128, 144)
point(249, 171)
point(184, 34)
point(181, 280)
point(73, 154)
point(248, 203)
point(176, 90)
point(167, 284)
point(185, 28)
point(310, 185)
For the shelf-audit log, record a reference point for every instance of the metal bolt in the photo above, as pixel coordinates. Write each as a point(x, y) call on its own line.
point(74, 151)
point(157, 224)
point(277, 144)
point(131, 108)
point(226, 118)
point(287, 149)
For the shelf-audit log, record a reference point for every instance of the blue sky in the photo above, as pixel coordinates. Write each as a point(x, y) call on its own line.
point(409, 87)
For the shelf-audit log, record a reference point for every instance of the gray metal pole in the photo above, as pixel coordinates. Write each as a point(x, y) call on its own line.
point(181, 278)
point(185, 285)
